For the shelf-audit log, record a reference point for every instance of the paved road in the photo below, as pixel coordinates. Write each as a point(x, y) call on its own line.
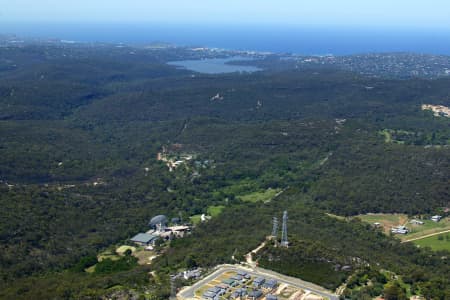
point(425, 236)
point(188, 292)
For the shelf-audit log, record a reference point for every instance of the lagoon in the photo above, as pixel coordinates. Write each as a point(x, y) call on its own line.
point(215, 65)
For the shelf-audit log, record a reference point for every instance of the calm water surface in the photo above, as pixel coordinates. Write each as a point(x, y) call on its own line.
point(307, 40)
point(214, 65)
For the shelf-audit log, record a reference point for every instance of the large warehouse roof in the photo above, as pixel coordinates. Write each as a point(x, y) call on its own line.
point(143, 238)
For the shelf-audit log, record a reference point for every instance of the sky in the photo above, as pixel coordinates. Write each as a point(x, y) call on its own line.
point(367, 13)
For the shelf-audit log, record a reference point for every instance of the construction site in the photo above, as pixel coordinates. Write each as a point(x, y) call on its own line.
point(239, 282)
point(247, 281)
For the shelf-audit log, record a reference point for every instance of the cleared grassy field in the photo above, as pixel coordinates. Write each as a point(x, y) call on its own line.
point(108, 255)
point(214, 211)
point(121, 250)
point(387, 221)
point(416, 231)
point(436, 242)
point(196, 219)
point(90, 270)
point(336, 217)
point(144, 256)
point(263, 196)
point(429, 227)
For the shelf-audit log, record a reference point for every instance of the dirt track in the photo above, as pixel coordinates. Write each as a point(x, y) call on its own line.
point(425, 236)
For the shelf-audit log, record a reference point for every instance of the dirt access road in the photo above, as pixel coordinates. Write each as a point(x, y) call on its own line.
point(425, 236)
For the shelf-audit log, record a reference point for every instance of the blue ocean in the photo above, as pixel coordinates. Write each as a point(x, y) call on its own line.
point(279, 39)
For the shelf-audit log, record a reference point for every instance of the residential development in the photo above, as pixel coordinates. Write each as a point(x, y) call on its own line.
point(234, 282)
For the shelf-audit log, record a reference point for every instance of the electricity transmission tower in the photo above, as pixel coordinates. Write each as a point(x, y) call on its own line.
point(275, 227)
point(284, 239)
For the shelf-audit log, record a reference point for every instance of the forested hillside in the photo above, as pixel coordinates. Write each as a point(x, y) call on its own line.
point(80, 132)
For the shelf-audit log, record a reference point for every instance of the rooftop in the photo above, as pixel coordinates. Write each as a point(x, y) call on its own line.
point(228, 281)
point(259, 280)
point(143, 238)
point(160, 219)
point(209, 294)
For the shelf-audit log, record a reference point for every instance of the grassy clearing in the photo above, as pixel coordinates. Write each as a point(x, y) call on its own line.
point(144, 256)
point(436, 242)
point(263, 196)
point(387, 133)
point(387, 136)
point(336, 217)
point(429, 227)
point(121, 250)
point(241, 187)
point(214, 211)
point(107, 254)
point(196, 219)
point(90, 270)
point(387, 221)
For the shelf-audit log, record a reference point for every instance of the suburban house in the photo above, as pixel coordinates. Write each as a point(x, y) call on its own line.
point(270, 284)
point(258, 282)
point(230, 282)
point(254, 295)
point(239, 293)
point(243, 274)
point(214, 293)
point(235, 295)
point(223, 286)
point(209, 295)
point(238, 278)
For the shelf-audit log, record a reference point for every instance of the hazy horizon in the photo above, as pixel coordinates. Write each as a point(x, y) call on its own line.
point(413, 14)
point(313, 40)
point(307, 27)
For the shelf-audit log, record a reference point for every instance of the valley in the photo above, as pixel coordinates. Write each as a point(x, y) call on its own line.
point(96, 140)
